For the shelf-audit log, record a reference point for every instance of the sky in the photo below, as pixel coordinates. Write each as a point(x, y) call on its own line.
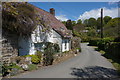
point(79, 10)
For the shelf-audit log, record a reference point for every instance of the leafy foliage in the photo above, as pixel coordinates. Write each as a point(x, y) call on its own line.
point(107, 19)
point(117, 39)
point(113, 49)
point(6, 69)
point(98, 23)
point(79, 21)
point(111, 29)
point(32, 67)
point(49, 51)
point(69, 25)
point(35, 59)
point(75, 43)
point(92, 22)
point(94, 42)
point(85, 22)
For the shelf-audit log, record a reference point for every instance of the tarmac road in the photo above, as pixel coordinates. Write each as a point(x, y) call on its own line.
point(88, 64)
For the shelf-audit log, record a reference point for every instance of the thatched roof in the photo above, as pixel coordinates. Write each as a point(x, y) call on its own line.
point(23, 18)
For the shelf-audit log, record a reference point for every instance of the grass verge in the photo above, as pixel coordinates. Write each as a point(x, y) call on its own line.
point(115, 62)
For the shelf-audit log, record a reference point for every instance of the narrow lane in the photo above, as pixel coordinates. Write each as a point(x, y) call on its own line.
point(88, 64)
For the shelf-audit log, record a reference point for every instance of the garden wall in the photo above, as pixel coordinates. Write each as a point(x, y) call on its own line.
point(9, 46)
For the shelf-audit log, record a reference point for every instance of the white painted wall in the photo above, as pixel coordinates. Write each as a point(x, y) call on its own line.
point(27, 46)
point(65, 45)
point(54, 37)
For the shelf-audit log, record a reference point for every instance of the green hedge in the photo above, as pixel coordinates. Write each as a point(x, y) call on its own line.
point(101, 43)
point(113, 48)
point(94, 42)
point(107, 44)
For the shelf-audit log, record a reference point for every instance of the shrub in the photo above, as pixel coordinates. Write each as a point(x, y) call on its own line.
point(5, 70)
point(32, 67)
point(39, 54)
point(114, 49)
point(49, 50)
point(103, 42)
point(12, 68)
point(94, 42)
point(48, 56)
point(117, 39)
point(35, 59)
point(75, 43)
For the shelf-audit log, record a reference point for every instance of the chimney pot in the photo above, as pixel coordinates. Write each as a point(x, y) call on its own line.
point(52, 11)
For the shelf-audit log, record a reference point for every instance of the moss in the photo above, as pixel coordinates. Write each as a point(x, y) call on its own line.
point(18, 17)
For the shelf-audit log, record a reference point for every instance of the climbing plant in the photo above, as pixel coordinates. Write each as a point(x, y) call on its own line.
point(49, 51)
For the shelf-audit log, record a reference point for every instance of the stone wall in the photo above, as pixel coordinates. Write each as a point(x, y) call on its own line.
point(9, 46)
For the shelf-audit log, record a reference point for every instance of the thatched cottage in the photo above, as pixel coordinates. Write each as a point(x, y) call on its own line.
point(25, 28)
point(54, 32)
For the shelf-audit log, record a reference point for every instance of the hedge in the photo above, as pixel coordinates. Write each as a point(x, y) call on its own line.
point(113, 48)
point(101, 43)
point(94, 42)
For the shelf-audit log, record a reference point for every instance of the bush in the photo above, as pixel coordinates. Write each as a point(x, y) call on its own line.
point(32, 67)
point(75, 43)
point(113, 48)
point(12, 68)
point(35, 59)
point(94, 42)
point(39, 55)
point(49, 51)
point(103, 42)
point(117, 39)
point(5, 70)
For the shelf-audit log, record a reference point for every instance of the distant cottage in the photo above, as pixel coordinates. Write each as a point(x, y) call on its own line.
point(56, 33)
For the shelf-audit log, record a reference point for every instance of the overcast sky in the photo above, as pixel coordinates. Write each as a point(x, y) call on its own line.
point(79, 10)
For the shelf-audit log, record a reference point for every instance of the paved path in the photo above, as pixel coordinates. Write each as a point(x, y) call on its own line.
point(88, 64)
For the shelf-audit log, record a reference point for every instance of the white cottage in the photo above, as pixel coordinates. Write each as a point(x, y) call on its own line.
point(55, 32)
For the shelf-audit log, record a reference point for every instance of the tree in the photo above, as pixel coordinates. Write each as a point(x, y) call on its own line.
point(79, 21)
point(73, 23)
point(98, 23)
point(70, 24)
point(107, 19)
point(85, 22)
point(92, 22)
point(111, 29)
point(64, 22)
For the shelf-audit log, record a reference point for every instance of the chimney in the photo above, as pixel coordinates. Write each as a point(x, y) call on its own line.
point(52, 11)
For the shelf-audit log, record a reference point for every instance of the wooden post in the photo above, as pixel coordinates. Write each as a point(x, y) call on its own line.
point(101, 23)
